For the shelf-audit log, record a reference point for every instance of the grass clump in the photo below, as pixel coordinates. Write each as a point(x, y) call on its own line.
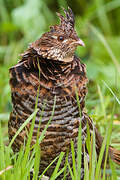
point(97, 23)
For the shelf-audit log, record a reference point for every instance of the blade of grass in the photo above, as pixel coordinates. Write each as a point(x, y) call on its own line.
point(104, 42)
point(88, 139)
point(3, 12)
point(86, 169)
point(17, 164)
point(79, 152)
point(7, 161)
point(58, 174)
point(57, 166)
point(111, 5)
point(27, 149)
point(101, 100)
point(22, 127)
point(2, 155)
point(36, 150)
point(37, 160)
point(102, 17)
point(90, 155)
point(108, 140)
point(66, 163)
point(25, 161)
point(118, 101)
point(48, 167)
point(98, 166)
point(92, 171)
point(112, 166)
point(44, 131)
point(36, 104)
point(73, 160)
point(70, 170)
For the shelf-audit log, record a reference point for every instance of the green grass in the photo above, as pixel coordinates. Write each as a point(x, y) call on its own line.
point(97, 23)
point(21, 164)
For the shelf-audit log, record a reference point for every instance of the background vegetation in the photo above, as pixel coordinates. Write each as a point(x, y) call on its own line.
point(97, 23)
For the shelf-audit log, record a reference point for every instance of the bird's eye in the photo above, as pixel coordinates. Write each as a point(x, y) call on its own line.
point(60, 38)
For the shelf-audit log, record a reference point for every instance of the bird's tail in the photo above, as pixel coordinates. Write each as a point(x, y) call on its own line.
point(114, 154)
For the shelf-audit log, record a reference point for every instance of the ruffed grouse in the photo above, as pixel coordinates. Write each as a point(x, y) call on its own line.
point(61, 75)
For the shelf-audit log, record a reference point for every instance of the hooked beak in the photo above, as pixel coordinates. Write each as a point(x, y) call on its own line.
point(79, 42)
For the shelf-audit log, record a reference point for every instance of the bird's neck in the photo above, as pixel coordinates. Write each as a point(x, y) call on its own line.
point(37, 62)
point(55, 70)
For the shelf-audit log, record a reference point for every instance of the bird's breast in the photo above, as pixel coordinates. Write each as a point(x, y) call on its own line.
point(26, 86)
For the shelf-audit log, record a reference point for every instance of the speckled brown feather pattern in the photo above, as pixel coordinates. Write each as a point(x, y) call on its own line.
point(40, 68)
point(65, 122)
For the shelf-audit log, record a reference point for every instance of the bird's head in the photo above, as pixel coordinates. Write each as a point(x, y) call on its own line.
point(61, 41)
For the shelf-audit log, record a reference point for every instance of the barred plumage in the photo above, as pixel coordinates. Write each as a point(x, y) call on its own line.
point(39, 68)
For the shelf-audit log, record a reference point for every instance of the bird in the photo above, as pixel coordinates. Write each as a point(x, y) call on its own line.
point(50, 65)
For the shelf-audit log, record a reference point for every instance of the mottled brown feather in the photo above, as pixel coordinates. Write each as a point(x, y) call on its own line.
point(51, 65)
